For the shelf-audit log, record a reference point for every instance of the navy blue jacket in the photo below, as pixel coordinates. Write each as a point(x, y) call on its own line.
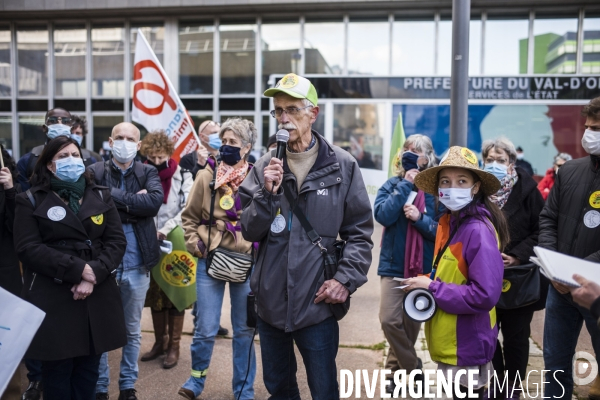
point(389, 212)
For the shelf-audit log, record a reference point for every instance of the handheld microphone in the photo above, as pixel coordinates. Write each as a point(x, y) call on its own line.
point(282, 138)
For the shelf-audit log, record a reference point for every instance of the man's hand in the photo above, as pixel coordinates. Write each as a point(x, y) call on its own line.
point(202, 155)
point(273, 174)
point(560, 288)
point(6, 178)
point(88, 275)
point(587, 293)
point(510, 261)
point(332, 292)
point(410, 175)
point(143, 191)
point(82, 290)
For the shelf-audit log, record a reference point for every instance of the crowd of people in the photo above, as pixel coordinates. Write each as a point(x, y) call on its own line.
point(292, 238)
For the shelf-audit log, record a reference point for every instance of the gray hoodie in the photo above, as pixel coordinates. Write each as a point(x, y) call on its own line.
point(334, 199)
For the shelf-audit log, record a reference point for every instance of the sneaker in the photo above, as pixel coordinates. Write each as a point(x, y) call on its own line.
point(102, 396)
point(186, 393)
point(127, 394)
point(222, 331)
point(34, 391)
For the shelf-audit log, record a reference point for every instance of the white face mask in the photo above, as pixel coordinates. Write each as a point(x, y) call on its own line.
point(520, 156)
point(124, 150)
point(591, 142)
point(455, 198)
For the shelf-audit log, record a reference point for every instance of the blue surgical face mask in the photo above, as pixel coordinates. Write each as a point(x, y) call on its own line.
point(498, 170)
point(69, 169)
point(77, 138)
point(214, 141)
point(57, 130)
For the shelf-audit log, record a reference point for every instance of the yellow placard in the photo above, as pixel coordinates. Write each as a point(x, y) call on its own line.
point(98, 219)
point(469, 155)
point(505, 285)
point(595, 199)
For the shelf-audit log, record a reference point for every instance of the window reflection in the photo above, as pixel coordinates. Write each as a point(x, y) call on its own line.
point(103, 126)
point(5, 65)
point(357, 128)
point(32, 49)
point(591, 46)
point(30, 132)
point(324, 47)
point(6, 133)
point(505, 47)
point(196, 45)
point(280, 49)
point(369, 48)
point(237, 58)
point(555, 43)
point(413, 48)
point(475, 47)
point(108, 44)
point(445, 48)
point(70, 47)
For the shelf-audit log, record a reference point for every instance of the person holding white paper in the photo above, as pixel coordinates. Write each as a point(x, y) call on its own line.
point(408, 215)
point(570, 224)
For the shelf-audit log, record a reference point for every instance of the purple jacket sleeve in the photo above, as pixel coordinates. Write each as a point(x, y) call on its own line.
point(484, 284)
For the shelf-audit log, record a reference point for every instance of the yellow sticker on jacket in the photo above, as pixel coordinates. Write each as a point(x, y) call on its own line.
point(595, 199)
point(98, 219)
point(505, 285)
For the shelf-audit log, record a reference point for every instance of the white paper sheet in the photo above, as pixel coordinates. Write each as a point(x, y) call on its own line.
point(561, 267)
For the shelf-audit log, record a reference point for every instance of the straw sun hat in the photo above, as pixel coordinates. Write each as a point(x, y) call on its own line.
point(457, 157)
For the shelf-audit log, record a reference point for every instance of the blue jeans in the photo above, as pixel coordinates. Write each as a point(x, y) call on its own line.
point(318, 345)
point(71, 378)
point(210, 300)
point(133, 285)
point(562, 326)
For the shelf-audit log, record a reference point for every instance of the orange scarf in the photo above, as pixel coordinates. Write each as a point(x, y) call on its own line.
point(227, 175)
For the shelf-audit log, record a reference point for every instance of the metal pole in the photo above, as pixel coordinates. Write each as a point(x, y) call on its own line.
point(461, 14)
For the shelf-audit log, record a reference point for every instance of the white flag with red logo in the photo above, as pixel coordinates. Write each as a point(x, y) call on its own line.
point(156, 105)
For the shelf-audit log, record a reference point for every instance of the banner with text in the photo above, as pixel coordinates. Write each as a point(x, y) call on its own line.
point(156, 105)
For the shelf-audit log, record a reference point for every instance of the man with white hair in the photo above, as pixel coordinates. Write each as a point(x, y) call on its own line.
point(296, 297)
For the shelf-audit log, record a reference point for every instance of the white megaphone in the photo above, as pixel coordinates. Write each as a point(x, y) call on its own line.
point(419, 305)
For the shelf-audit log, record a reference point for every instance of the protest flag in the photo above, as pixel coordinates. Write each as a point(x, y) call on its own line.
point(398, 139)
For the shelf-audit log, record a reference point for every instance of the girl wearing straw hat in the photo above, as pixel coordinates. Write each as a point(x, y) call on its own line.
point(466, 278)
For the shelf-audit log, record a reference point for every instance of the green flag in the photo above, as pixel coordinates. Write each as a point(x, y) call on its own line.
point(175, 273)
point(398, 139)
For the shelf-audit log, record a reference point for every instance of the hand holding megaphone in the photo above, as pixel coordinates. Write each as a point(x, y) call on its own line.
point(419, 304)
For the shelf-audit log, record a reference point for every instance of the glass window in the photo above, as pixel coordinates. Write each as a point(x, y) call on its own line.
point(237, 58)
point(108, 57)
point(280, 49)
point(30, 132)
point(70, 47)
point(324, 47)
point(32, 49)
point(6, 133)
point(506, 47)
point(368, 48)
point(358, 128)
point(196, 45)
point(413, 47)
point(555, 46)
point(103, 126)
point(445, 48)
point(155, 35)
point(591, 46)
point(5, 75)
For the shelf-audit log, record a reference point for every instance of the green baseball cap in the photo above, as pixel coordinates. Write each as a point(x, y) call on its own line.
point(295, 86)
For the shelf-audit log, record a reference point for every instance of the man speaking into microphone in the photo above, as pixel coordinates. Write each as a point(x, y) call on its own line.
point(293, 297)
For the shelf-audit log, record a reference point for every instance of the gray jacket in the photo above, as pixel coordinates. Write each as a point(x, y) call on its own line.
point(334, 199)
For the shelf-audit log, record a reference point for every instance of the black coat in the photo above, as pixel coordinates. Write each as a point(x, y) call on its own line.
point(10, 274)
point(54, 253)
point(522, 211)
point(133, 208)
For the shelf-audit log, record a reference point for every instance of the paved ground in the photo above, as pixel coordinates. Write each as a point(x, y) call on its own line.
point(361, 339)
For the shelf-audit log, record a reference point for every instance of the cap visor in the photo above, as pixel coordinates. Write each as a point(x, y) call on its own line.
point(273, 91)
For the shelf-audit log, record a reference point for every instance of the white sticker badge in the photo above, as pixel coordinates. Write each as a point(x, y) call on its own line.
point(591, 219)
point(278, 224)
point(56, 213)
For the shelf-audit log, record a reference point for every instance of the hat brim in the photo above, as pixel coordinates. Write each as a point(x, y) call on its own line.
point(427, 180)
point(273, 91)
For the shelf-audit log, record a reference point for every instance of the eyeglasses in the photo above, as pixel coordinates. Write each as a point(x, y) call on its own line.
point(209, 124)
point(291, 111)
point(59, 120)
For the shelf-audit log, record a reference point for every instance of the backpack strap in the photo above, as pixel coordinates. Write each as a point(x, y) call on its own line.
point(98, 169)
point(31, 198)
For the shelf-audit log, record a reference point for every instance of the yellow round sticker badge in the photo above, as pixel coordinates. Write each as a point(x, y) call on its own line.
point(178, 269)
point(226, 202)
point(595, 199)
point(288, 81)
point(469, 155)
point(98, 219)
point(505, 285)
